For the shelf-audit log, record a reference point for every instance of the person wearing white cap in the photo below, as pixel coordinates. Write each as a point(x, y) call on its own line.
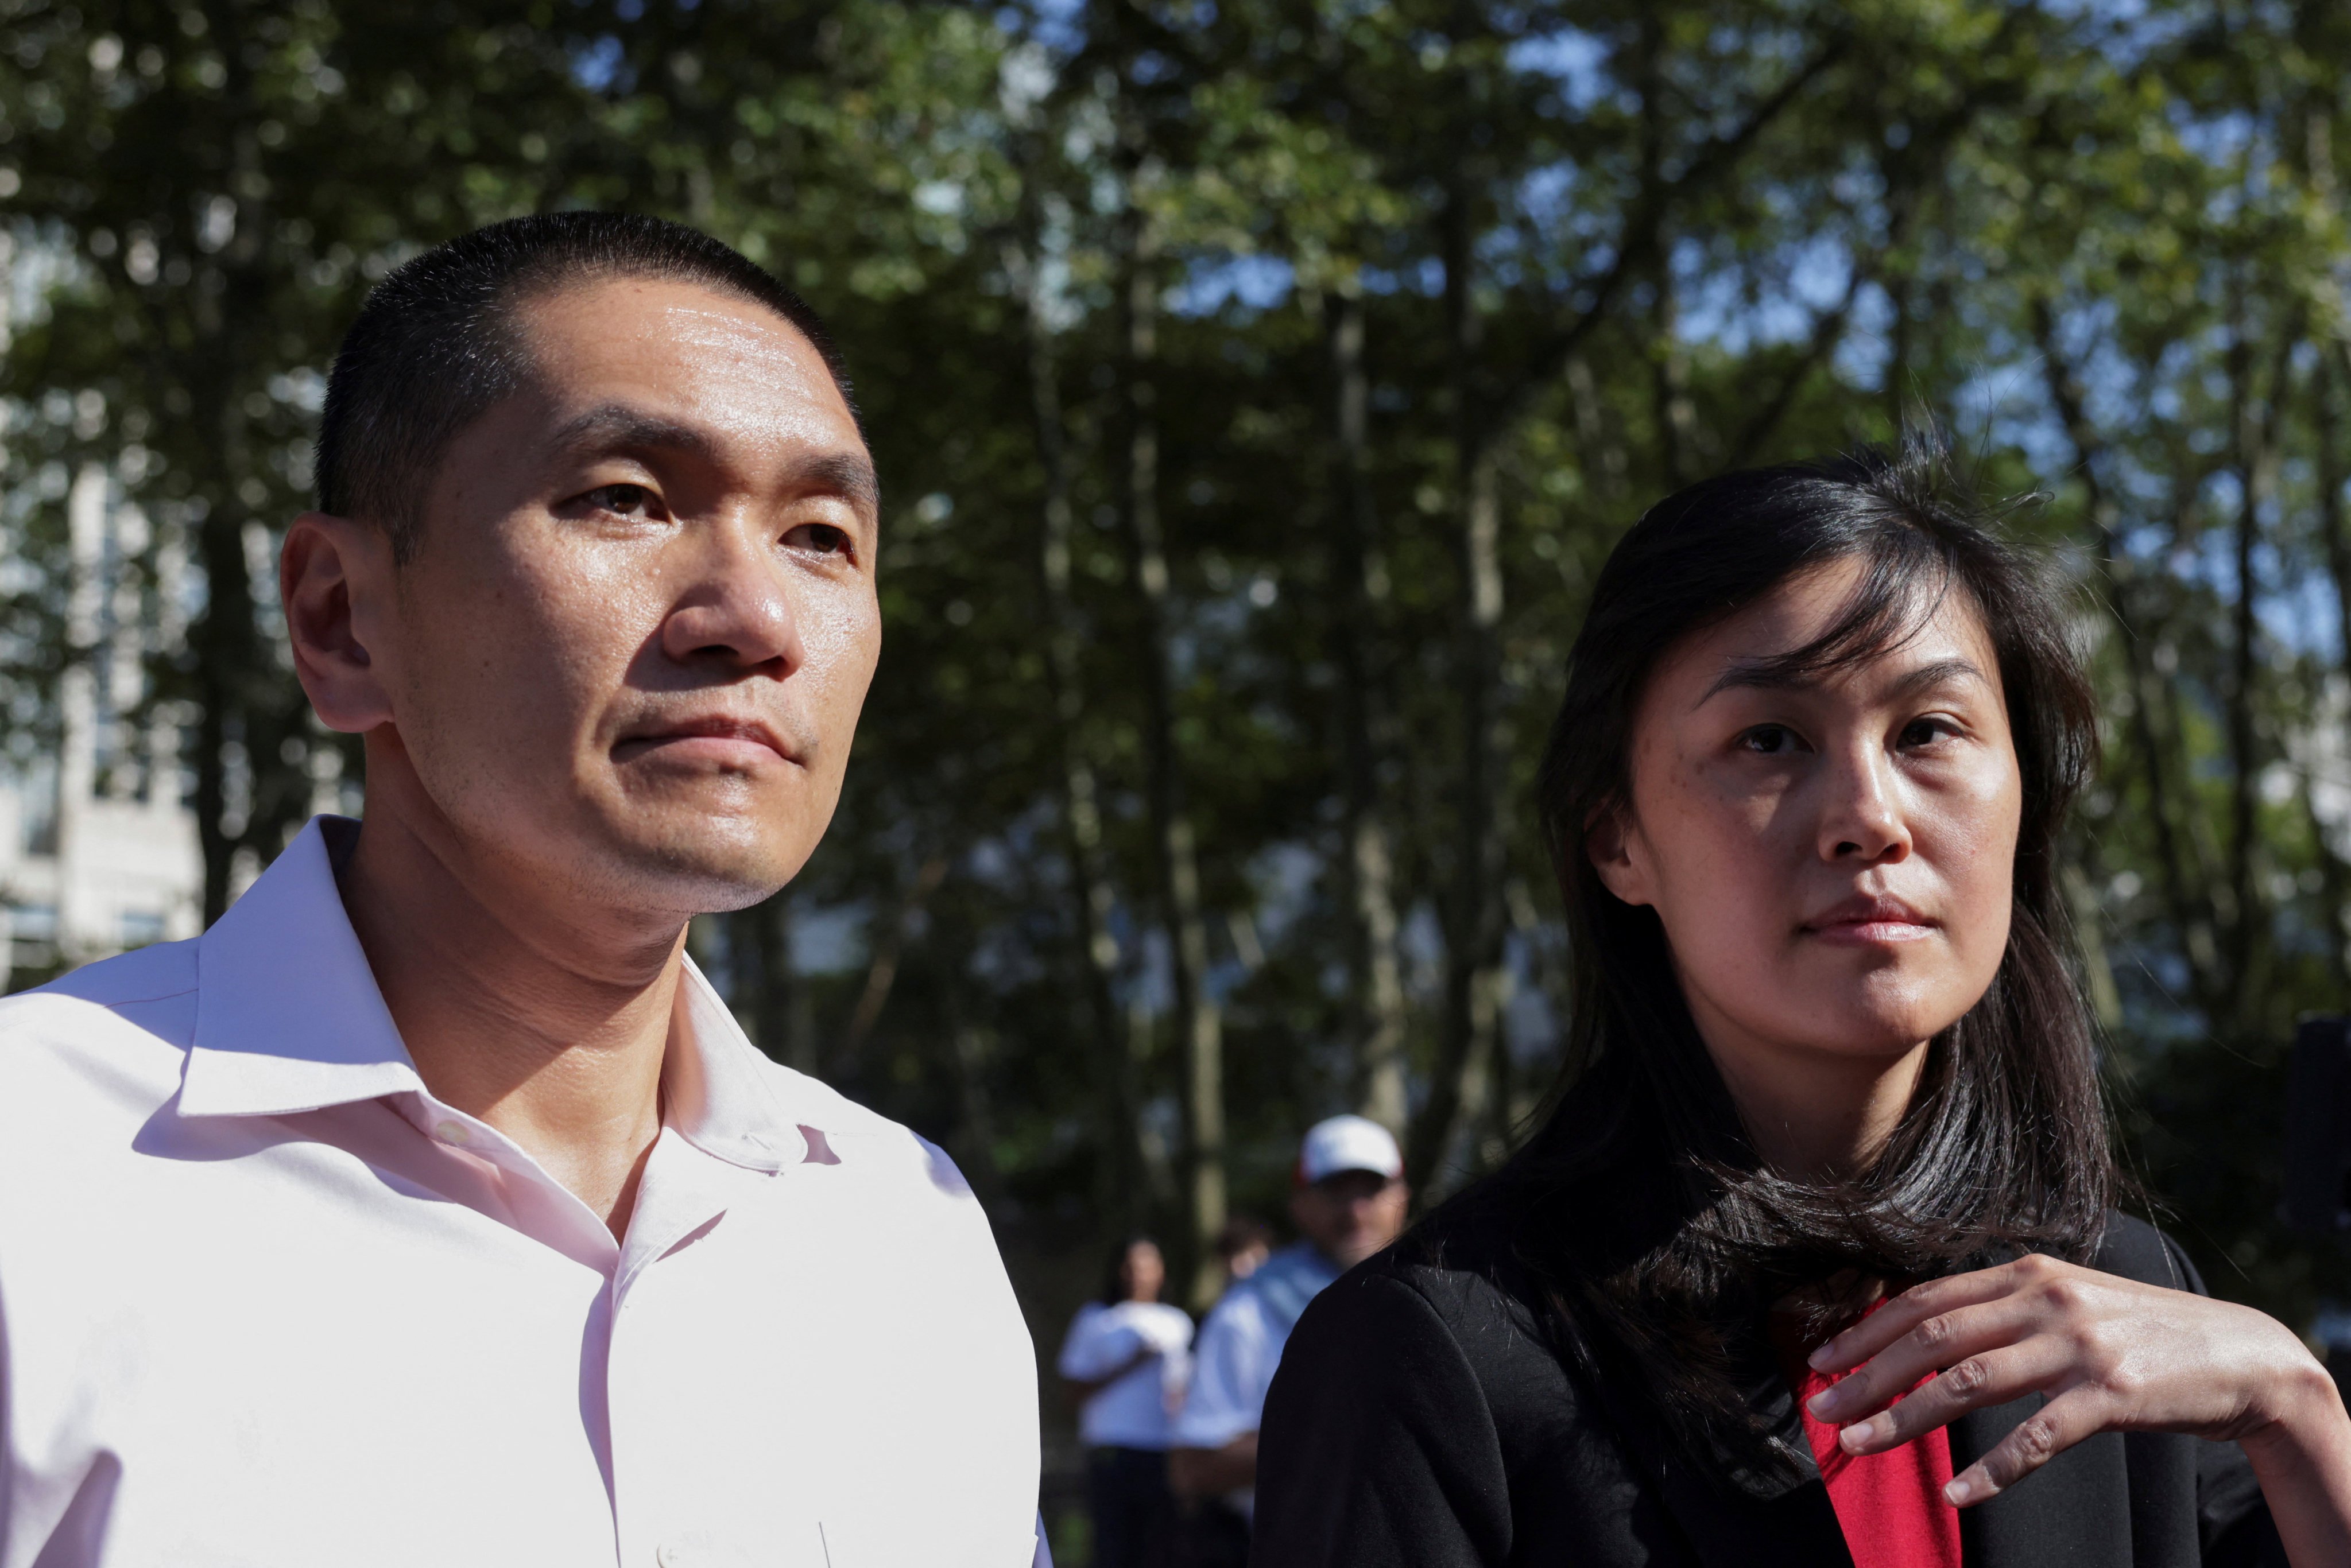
point(1348, 1199)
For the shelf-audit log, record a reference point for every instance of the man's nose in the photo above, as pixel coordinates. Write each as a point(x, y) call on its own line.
point(738, 609)
point(1863, 820)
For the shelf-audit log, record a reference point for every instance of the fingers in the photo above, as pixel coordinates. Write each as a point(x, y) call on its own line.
point(2038, 1438)
point(1920, 1303)
point(1988, 1378)
point(1945, 1340)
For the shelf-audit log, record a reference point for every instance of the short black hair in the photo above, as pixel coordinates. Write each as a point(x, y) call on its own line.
point(434, 345)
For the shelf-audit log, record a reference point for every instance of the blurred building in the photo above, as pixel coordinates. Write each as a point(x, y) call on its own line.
point(97, 852)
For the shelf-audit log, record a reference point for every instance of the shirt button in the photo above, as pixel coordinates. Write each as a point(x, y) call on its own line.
point(452, 1132)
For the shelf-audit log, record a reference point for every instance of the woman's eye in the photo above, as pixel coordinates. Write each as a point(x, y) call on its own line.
point(1769, 740)
point(621, 500)
point(1923, 732)
point(823, 538)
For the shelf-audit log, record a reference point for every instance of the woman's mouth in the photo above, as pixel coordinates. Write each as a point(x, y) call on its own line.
point(1870, 920)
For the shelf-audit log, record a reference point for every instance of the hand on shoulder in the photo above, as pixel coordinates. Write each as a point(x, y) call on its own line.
point(2111, 1355)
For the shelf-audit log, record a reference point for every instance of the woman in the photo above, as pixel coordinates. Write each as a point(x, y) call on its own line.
point(1124, 1362)
point(1811, 1258)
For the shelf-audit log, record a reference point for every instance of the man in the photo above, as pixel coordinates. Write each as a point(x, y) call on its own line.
point(431, 1207)
point(1348, 1198)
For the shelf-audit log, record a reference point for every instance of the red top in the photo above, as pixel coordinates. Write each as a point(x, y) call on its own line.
point(1890, 1505)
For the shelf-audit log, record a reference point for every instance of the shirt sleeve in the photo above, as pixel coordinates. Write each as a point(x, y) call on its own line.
point(1097, 1346)
point(1378, 1449)
point(1231, 1365)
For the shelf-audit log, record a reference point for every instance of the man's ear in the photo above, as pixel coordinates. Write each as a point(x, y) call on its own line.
point(334, 576)
point(1615, 851)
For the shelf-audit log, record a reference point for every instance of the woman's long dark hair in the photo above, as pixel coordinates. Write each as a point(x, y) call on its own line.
point(2005, 1142)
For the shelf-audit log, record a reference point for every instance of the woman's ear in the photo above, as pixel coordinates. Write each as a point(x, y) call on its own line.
point(1615, 851)
point(333, 575)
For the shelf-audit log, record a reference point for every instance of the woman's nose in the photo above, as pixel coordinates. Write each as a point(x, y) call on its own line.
point(1863, 819)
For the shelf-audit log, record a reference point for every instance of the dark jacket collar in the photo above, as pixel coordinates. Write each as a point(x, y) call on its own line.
point(1737, 1510)
point(1740, 1512)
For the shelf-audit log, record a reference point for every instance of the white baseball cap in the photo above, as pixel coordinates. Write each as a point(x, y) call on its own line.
point(1348, 1143)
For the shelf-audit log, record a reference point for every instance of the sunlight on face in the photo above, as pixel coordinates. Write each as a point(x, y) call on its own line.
point(1832, 859)
point(634, 641)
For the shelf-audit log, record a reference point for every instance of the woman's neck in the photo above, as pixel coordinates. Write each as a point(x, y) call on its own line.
point(1812, 1114)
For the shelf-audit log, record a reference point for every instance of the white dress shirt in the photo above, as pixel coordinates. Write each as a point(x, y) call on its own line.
point(1132, 1410)
point(266, 1301)
point(1240, 1346)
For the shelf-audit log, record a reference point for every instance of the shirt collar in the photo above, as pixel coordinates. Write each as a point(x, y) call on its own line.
point(288, 1019)
point(717, 1091)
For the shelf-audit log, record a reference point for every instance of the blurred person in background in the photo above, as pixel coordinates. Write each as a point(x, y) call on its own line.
point(1124, 1362)
point(1349, 1199)
point(1243, 1242)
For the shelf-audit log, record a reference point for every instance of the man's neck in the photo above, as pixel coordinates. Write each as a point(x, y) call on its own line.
point(516, 1009)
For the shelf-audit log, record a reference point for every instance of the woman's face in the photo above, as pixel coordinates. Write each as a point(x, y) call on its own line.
point(1144, 1272)
point(1831, 857)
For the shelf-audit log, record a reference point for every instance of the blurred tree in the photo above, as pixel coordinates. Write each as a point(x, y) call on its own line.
point(1259, 387)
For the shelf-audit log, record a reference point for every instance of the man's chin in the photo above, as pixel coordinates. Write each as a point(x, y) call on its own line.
point(692, 872)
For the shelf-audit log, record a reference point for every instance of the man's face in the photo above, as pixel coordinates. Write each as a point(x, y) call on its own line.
point(630, 650)
point(1351, 1215)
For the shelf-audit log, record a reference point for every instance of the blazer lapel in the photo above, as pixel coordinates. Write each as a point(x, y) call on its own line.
point(2072, 1512)
point(1736, 1529)
point(1731, 1519)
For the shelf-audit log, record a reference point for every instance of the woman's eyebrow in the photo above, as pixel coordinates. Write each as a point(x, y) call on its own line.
point(1937, 673)
point(1776, 675)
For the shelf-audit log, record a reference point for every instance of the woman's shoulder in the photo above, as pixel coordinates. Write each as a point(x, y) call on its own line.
point(2136, 1250)
point(1456, 1274)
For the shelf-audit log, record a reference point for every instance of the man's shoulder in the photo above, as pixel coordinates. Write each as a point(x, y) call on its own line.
point(1239, 1315)
point(153, 973)
point(119, 1026)
point(840, 1131)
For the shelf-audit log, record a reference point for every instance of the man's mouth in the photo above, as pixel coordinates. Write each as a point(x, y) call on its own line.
point(716, 738)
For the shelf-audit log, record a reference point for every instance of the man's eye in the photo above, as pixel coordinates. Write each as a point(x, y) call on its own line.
point(1769, 740)
point(822, 537)
point(622, 499)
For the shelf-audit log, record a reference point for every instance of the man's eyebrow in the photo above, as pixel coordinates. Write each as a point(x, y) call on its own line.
point(847, 473)
point(1773, 675)
point(616, 425)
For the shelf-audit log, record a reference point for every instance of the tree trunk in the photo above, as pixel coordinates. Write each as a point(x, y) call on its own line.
point(1118, 1184)
point(243, 695)
point(2256, 433)
point(1359, 588)
point(890, 944)
point(1474, 972)
point(776, 1001)
point(2192, 915)
point(2333, 373)
point(1199, 1021)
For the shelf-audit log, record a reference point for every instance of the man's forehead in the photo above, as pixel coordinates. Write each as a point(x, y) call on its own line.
point(657, 339)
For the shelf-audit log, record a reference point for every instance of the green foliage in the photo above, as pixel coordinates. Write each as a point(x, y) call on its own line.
point(1597, 251)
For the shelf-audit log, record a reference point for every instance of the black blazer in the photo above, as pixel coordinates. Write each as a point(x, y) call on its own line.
point(1418, 1420)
